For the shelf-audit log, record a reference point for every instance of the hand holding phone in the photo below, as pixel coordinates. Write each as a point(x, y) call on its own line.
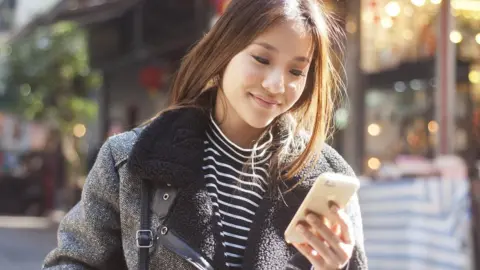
point(320, 230)
point(329, 187)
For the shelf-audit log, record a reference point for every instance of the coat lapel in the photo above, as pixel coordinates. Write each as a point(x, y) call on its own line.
point(266, 248)
point(192, 220)
point(169, 151)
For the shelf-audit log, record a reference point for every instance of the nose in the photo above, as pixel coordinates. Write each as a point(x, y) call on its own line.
point(274, 82)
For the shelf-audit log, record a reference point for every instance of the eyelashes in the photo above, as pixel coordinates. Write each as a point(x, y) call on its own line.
point(261, 60)
point(264, 61)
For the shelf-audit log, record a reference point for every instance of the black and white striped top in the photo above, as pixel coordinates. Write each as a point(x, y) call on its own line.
point(235, 191)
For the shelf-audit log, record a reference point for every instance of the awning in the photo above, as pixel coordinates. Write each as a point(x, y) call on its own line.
point(82, 11)
point(408, 71)
point(87, 12)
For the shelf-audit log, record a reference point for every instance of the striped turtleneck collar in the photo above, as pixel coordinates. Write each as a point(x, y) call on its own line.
point(221, 141)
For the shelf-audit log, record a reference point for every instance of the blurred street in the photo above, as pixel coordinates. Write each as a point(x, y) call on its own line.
point(73, 73)
point(25, 242)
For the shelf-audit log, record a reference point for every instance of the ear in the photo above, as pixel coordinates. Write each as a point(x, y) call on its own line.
point(213, 82)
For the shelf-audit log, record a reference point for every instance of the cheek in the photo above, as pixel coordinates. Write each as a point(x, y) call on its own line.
point(251, 76)
point(293, 93)
point(241, 73)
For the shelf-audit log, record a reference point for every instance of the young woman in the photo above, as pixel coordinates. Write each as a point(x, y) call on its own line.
point(228, 163)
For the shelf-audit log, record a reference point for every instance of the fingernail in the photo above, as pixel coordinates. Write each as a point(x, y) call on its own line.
point(312, 218)
point(334, 208)
point(348, 240)
point(300, 228)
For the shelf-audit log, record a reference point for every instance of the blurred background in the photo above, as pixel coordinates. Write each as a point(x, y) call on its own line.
point(73, 72)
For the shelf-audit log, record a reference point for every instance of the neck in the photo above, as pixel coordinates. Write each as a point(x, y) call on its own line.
point(235, 128)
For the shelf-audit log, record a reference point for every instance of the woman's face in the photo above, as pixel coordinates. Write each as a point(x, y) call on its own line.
point(268, 77)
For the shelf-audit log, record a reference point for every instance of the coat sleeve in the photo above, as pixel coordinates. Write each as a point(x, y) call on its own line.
point(358, 261)
point(359, 258)
point(89, 235)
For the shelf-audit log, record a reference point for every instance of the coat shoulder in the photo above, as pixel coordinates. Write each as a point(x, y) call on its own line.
point(338, 165)
point(327, 160)
point(121, 145)
point(335, 161)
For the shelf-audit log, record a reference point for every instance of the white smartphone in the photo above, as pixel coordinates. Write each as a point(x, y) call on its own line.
point(328, 187)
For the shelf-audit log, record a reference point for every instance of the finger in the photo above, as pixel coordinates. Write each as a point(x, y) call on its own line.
point(311, 255)
point(339, 217)
point(318, 224)
point(333, 240)
point(318, 220)
point(336, 229)
point(347, 233)
point(320, 246)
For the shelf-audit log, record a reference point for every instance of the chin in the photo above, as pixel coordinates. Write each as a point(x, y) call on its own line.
point(259, 122)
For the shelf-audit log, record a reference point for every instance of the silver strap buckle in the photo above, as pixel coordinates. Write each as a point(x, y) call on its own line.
point(144, 238)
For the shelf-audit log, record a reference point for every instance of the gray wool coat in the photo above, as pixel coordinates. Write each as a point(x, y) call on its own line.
point(100, 231)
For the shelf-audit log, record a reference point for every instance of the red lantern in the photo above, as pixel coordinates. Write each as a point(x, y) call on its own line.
point(220, 5)
point(151, 79)
point(372, 5)
point(476, 118)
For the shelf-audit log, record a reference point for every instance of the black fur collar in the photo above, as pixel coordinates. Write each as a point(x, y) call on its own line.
point(170, 148)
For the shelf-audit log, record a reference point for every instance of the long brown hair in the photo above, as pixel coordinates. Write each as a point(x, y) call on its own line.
point(241, 23)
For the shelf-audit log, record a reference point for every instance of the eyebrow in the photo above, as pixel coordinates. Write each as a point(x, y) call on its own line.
point(272, 48)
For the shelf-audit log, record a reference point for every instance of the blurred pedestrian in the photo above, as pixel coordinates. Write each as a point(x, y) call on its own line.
point(55, 176)
point(213, 181)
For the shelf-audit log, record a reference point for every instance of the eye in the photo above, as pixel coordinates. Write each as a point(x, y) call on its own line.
point(261, 60)
point(296, 72)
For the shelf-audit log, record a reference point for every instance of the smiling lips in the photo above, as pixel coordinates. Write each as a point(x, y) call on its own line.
point(265, 102)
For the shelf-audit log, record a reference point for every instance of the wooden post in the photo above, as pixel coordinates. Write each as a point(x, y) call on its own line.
point(354, 134)
point(445, 81)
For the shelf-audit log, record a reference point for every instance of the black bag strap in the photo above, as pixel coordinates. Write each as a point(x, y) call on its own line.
point(145, 238)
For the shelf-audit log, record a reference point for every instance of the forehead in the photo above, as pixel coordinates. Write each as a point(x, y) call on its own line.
point(289, 37)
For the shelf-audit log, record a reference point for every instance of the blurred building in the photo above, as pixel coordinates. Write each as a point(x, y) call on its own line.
point(398, 56)
point(136, 45)
point(391, 67)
